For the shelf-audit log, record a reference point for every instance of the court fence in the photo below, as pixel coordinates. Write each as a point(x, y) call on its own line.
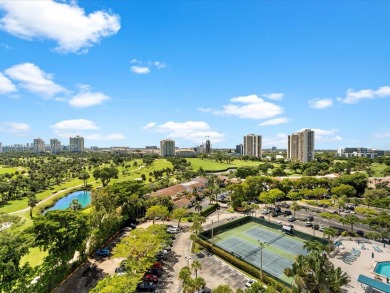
point(243, 265)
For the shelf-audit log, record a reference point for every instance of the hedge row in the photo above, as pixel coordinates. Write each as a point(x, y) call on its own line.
point(242, 265)
point(209, 210)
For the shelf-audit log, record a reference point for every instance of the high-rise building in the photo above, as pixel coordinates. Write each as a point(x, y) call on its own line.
point(55, 146)
point(252, 145)
point(239, 149)
point(301, 146)
point(38, 146)
point(208, 146)
point(76, 144)
point(167, 148)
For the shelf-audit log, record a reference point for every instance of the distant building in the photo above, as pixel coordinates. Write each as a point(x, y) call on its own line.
point(239, 149)
point(252, 145)
point(55, 146)
point(359, 152)
point(151, 147)
point(76, 144)
point(274, 148)
point(167, 148)
point(301, 146)
point(38, 146)
point(208, 146)
point(185, 153)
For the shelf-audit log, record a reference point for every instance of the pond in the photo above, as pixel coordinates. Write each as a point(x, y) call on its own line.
point(83, 196)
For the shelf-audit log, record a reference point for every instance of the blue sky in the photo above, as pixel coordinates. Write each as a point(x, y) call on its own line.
point(131, 74)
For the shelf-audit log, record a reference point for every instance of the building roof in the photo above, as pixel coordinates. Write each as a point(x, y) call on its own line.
point(374, 283)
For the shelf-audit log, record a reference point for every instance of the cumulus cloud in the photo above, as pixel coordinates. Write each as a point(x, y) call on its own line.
point(275, 121)
point(88, 99)
point(326, 135)
point(253, 107)
point(140, 69)
point(149, 125)
point(145, 67)
point(320, 103)
point(205, 110)
point(6, 86)
point(16, 128)
point(353, 97)
point(35, 80)
point(65, 23)
point(194, 131)
point(274, 96)
point(84, 127)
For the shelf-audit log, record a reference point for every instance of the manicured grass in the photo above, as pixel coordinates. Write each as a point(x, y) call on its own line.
point(35, 257)
point(208, 165)
point(10, 170)
point(241, 163)
point(378, 168)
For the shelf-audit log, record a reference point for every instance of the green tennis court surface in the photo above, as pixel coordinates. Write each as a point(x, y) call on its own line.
point(278, 253)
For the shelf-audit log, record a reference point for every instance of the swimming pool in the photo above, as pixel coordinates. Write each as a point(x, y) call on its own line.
point(383, 268)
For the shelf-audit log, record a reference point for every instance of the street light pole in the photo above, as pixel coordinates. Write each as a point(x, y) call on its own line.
point(261, 259)
point(188, 260)
point(218, 219)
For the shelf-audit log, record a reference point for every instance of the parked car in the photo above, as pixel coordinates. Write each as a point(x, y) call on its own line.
point(146, 287)
point(155, 271)
point(359, 232)
point(173, 229)
point(102, 252)
point(291, 219)
point(249, 283)
point(121, 270)
point(204, 290)
point(287, 213)
point(321, 228)
point(277, 209)
point(291, 226)
point(261, 217)
point(275, 214)
point(309, 219)
point(315, 227)
point(157, 264)
point(308, 224)
point(265, 212)
point(150, 278)
point(126, 229)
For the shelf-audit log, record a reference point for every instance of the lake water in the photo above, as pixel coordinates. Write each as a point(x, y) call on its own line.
point(84, 197)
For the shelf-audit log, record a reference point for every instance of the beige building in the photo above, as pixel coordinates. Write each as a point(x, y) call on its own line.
point(301, 146)
point(55, 146)
point(39, 146)
point(252, 145)
point(76, 144)
point(167, 148)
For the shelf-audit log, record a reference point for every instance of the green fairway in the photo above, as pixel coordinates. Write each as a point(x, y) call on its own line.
point(208, 165)
point(378, 168)
point(10, 170)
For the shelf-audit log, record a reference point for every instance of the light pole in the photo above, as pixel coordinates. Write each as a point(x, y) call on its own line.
point(218, 218)
point(212, 232)
point(261, 259)
point(188, 260)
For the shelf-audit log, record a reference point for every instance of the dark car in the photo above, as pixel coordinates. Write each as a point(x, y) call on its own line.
point(360, 232)
point(155, 271)
point(275, 214)
point(277, 209)
point(315, 227)
point(204, 290)
point(261, 217)
point(309, 219)
point(102, 252)
point(150, 278)
point(157, 264)
point(287, 213)
point(291, 219)
point(146, 287)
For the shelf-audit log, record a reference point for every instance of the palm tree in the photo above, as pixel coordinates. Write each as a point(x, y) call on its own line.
point(198, 283)
point(338, 279)
point(331, 233)
point(295, 207)
point(197, 206)
point(185, 274)
point(195, 266)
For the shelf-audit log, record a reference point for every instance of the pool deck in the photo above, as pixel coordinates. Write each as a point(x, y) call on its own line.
point(364, 264)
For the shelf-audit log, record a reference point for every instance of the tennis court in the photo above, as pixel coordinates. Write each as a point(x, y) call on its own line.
point(272, 263)
point(277, 239)
point(279, 250)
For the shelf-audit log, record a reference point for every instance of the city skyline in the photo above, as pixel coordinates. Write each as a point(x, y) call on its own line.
point(136, 73)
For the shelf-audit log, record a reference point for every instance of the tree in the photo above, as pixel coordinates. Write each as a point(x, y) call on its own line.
point(295, 207)
point(185, 274)
point(198, 206)
point(62, 233)
point(331, 233)
point(350, 220)
point(106, 174)
point(32, 202)
point(371, 195)
point(223, 289)
point(84, 176)
point(117, 284)
point(197, 221)
point(178, 214)
point(75, 205)
point(195, 266)
point(271, 196)
point(344, 189)
point(156, 211)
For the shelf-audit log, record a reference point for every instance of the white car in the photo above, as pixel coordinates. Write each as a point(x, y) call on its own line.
point(321, 228)
point(249, 283)
point(265, 212)
point(173, 229)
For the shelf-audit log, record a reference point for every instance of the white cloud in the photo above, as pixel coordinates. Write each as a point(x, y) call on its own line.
point(205, 110)
point(274, 96)
point(145, 67)
point(353, 97)
point(380, 135)
point(140, 69)
point(74, 125)
point(194, 131)
point(109, 137)
point(66, 24)
point(16, 128)
point(35, 80)
point(88, 99)
point(320, 103)
point(254, 108)
point(275, 121)
point(149, 125)
point(6, 86)
point(326, 135)
point(280, 141)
